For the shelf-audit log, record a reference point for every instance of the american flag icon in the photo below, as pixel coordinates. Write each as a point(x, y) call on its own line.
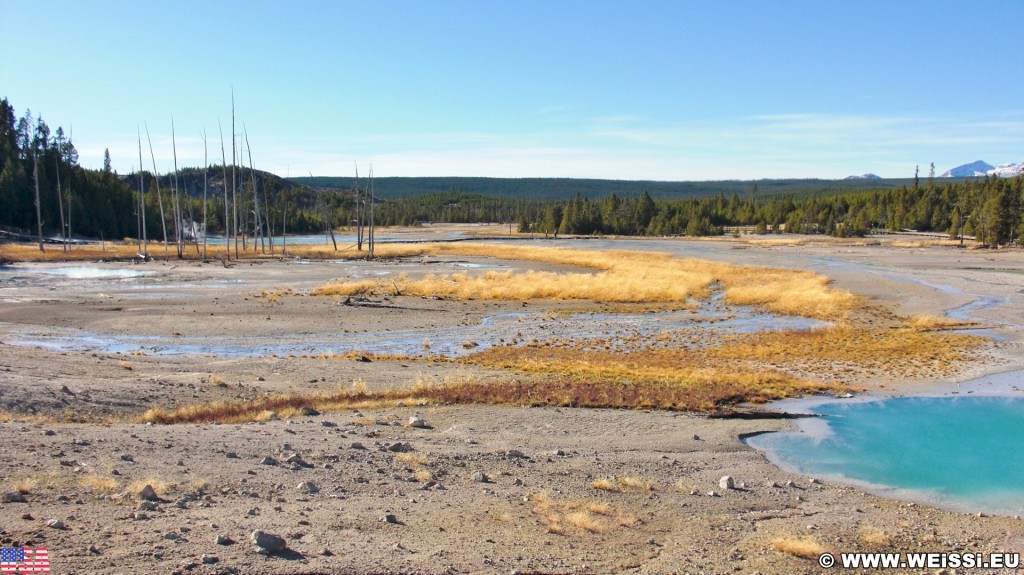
point(24, 560)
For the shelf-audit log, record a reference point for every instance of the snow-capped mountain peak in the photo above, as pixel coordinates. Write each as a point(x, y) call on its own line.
point(1007, 170)
point(974, 169)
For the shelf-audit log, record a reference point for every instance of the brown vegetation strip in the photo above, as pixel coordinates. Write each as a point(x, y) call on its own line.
point(561, 392)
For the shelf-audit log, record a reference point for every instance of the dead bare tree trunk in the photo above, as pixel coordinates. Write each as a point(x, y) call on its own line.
point(179, 223)
point(227, 212)
point(143, 243)
point(60, 205)
point(284, 229)
point(39, 214)
point(359, 214)
point(206, 174)
point(159, 196)
point(371, 237)
point(234, 163)
point(255, 198)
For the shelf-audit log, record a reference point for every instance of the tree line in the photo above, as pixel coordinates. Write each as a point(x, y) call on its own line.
point(44, 190)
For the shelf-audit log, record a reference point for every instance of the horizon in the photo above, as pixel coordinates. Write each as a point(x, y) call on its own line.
point(656, 92)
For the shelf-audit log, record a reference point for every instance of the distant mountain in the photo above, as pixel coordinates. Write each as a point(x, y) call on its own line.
point(972, 170)
point(863, 177)
point(980, 169)
point(1008, 170)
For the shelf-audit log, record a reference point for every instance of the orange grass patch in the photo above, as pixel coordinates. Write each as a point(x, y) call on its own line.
point(619, 276)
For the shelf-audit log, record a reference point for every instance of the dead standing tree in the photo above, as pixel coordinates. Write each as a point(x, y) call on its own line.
point(159, 196)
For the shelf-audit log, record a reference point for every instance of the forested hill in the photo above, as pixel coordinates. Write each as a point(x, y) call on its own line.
point(566, 188)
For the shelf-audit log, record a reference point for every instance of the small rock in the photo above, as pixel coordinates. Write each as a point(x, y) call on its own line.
point(696, 437)
point(790, 483)
point(261, 378)
point(326, 423)
point(231, 455)
point(815, 481)
point(726, 482)
point(13, 497)
point(56, 524)
point(28, 517)
point(399, 447)
point(771, 484)
point(558, 453)
point(307, 487)
point(417, 422)
point(295, 458)
point(268, 541)
point(93, 550)
point(356, 445)
point(388, 518)
point(147, 506)
point(479, 477)
point(172, 536)
point(712, 493)
point(209, 559)
point(224, 540)
point(515, 453)
point(127, 457)
point(49, 432)
point(148, 493)
point(306, 410)
point(268, 461)
point(140, 516)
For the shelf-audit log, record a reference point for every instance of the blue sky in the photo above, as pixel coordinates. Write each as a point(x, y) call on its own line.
point(662, 90)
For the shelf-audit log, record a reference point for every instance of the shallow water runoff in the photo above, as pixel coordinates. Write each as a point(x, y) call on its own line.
point(956, 452)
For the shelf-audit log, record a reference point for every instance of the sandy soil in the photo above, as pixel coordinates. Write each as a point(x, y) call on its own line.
point(479, 490)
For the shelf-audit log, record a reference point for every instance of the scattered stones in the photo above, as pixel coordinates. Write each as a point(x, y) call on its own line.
point(13, 497)
point(148, 493)
point(417, 422)
point(307, 487)
point(268, 542)
point(726, 482)
point(56, 524)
